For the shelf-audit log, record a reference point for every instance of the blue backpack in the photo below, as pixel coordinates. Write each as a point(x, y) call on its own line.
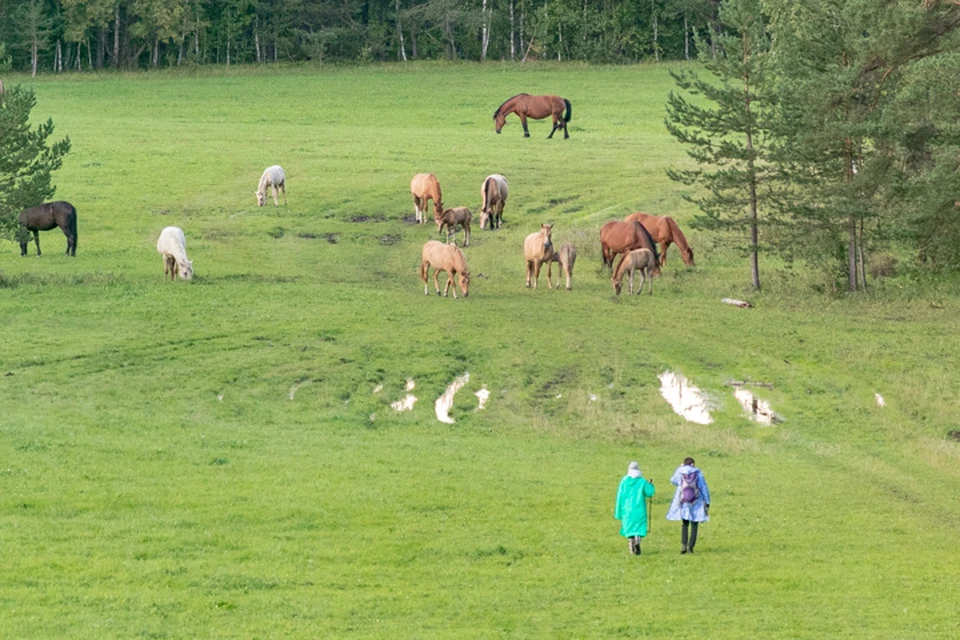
point(689, 491)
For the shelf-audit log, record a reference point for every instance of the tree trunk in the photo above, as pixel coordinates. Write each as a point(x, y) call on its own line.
point(860, 258)
point(413, 40)
point(686, 38)
point(656, 30)
point(116, 37)
point(101, 45)
point(156, 52)
point(34, 50)
point(403, 49)
point(256, 43)
point(485, 34)
point(513, 36)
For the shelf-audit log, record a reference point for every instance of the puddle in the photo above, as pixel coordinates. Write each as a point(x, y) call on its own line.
point(482, 396)
point(405, 404)
point(445, 402)
point(687, 400)
point(758, 409)
point(410, 384)
point(880, 401)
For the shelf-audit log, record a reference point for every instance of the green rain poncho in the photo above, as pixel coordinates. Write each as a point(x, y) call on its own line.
point(632, 505)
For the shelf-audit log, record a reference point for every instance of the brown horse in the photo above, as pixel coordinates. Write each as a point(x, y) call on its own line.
point(424, 187)
point(566, 257)
point(444, 257)
point(537, 250)
point(536, 107)
point(493, 191)
point(450, 218)
point(641, 260)
point(618, 237)
point(664, 229)
point(45, 217)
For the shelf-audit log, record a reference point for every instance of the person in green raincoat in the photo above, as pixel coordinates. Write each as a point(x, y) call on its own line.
point(632, 506)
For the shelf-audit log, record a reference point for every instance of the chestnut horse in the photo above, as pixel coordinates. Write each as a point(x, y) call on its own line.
point(664, 229)
point(641, 260)
point(493, 191)
point(450, 218)
point(618, 237)
point(444, 257)
point(538, 249)
point(45, 217)
point(424, 187)
point(536, 107)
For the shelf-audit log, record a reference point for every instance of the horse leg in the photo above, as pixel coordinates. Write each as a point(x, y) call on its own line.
point(663, 252)
point(643, 278)
point(631, 281)
point(466, 233)
point(565, 133)
point(523, 121)
point(650, 278)
point(550, 275)
point(283, 188)
point(36, 239)
point(450, 284)
point(436, 280)
point(566, 271)
point(555, 126)
point(536, 273)
point(529, 272)
point(273, 189)
point(417, 216)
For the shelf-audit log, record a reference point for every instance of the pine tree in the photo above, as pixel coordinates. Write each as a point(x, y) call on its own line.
point(724, 126)
point(26, 161)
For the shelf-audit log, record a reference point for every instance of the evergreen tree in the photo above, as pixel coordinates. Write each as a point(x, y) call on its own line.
point(724, 126)
point(26, 160)
point(842, 65)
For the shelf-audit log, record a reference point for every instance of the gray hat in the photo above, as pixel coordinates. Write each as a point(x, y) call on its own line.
point(633, 470)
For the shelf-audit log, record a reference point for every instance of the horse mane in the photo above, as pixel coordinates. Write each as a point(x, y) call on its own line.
point(262, 187)
point(678, 238)
point(653, 245)
point(500, 108)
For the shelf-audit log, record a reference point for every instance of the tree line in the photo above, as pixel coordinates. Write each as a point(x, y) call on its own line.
point(77, 35)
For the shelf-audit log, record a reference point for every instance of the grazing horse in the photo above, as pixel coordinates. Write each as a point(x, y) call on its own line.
point(537, 250)
point(450, 218)
point(444, 257)
point(664, 229)
point(172, 246)
point(45, 217)
point(618, 237)
point(566, 256)
point(493, 191)
point(275, 178)
point(536, 107)
point(641, 260)
point(424, 187)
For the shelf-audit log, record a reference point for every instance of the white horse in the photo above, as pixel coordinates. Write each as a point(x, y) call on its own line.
point(172, 245)
point(274, 178)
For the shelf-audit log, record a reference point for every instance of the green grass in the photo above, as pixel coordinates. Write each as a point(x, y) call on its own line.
point(159, 481)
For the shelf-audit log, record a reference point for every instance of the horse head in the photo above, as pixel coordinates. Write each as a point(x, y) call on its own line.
point(545, 232)
point(261, 198)
point(688, 256)
point(186, 270)
point(499, 119)
point(484, 217)
point(464, 283)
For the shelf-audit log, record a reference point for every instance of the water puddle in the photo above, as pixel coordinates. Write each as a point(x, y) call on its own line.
point(445, 402)
point(686, 399)
point(759, 410)
point(482, 396)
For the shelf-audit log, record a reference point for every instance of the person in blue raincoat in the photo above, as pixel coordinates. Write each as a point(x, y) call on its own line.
point(691, 502)
point(631, 507)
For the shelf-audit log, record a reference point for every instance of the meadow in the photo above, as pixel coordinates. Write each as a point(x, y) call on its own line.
point(209, 459)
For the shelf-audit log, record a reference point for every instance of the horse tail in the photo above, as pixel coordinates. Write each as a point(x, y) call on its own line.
point(73, 226)
point(569, 114)
point(486, 194)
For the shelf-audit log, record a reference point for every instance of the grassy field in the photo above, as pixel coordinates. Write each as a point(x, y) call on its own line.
point(210, 459)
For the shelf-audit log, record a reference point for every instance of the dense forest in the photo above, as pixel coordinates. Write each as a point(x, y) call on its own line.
point(63, 35)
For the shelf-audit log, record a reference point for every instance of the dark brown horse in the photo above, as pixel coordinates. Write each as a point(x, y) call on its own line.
point(45, 217)
point(536, 107)
point(618, 237)
point(664, 229)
